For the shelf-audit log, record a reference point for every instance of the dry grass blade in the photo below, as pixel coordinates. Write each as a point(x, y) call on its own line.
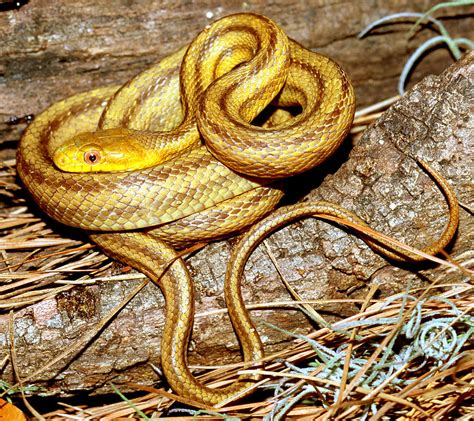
point(312, 313)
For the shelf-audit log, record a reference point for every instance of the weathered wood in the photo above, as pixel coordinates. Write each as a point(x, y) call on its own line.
point(51, 49)
point(379, 181)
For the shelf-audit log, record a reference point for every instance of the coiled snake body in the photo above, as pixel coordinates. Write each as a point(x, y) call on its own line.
point(180, 190)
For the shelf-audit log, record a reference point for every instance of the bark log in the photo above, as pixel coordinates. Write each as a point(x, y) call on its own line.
point(53, 49)
point(379, 180)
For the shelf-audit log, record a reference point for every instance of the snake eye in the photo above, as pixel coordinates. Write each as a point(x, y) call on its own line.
point(92, 157)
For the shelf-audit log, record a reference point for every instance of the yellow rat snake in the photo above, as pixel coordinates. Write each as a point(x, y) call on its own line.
point(175, 156)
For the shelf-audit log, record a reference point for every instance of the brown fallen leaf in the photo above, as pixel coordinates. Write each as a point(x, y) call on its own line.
point(9, 412)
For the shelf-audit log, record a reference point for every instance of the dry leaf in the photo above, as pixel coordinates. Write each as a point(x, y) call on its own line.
point(9, 412)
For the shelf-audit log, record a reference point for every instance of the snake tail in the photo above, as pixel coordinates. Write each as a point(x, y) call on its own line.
point(286, 214)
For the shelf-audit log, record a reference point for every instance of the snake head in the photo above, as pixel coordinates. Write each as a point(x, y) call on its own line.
point(107, 150)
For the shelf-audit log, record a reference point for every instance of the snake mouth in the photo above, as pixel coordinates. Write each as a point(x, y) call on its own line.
point(62, 159)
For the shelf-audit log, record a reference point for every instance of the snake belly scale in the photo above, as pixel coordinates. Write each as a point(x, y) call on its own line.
point(172, 157)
